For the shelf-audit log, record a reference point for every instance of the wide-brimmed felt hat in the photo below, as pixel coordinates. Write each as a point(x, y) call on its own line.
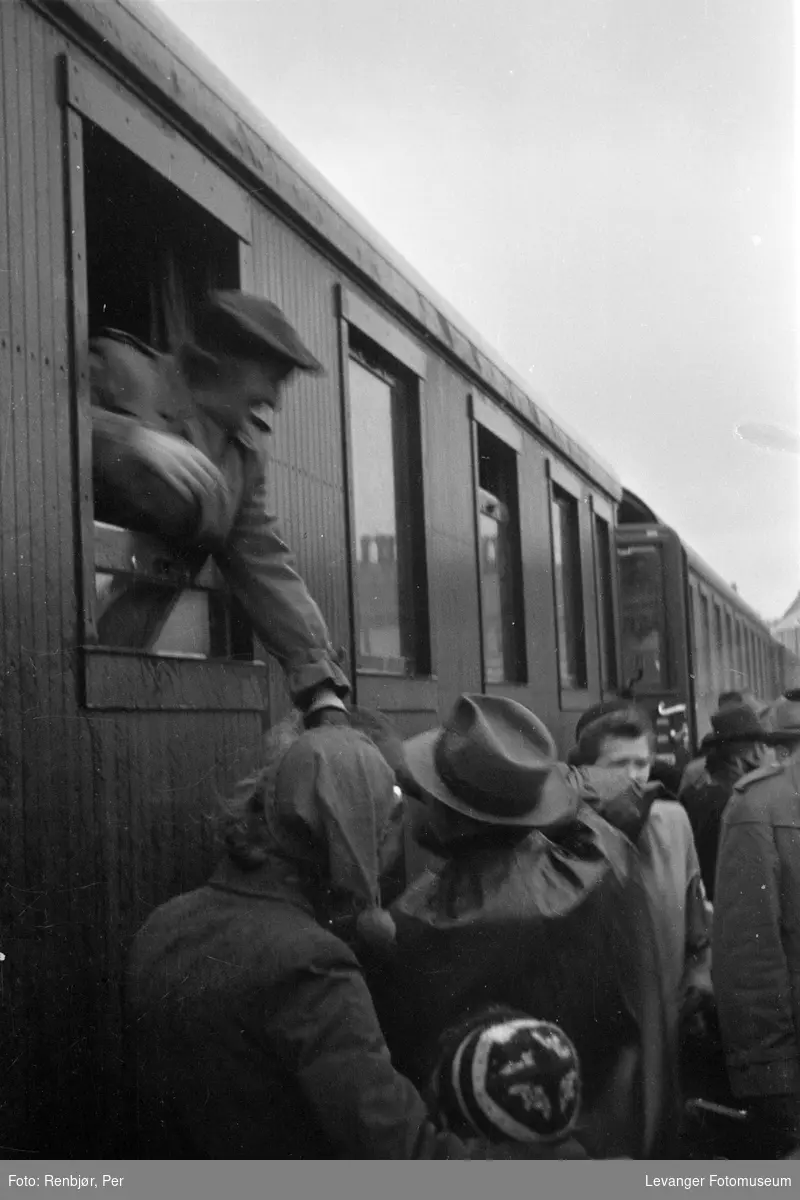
point(735, 723)
point(492, 760)
point(784, 718)
point(253, 327)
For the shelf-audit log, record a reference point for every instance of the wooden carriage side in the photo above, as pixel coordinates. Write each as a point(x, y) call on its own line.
point(113, 763)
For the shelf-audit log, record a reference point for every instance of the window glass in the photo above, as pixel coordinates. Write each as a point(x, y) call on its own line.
point(388, 520)
point(644, 650)
point(569, 591)
point(707, 659)
point(608, 635)
point(502, 604)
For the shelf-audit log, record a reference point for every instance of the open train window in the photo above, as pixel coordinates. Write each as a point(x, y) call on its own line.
point(500, 559)
point(154, 225)
point(383, 372)
point(644, 631)
point(604, 567)
point(152, 254)
point(568, 584)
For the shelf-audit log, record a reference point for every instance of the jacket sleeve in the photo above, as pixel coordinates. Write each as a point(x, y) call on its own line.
point(751, 973)
point(697, 971)
point(262, 571)
point(327, 1035)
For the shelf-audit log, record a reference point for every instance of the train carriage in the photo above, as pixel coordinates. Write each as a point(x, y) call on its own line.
point(455, 534)
point(686, 635)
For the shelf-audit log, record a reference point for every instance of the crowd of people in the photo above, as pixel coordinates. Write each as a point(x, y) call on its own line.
point(544, 991)
point(589, 951)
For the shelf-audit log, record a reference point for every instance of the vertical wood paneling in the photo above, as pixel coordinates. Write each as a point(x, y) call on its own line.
point(105, 815)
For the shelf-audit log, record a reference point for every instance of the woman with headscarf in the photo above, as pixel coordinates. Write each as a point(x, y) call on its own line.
point(255, 1033)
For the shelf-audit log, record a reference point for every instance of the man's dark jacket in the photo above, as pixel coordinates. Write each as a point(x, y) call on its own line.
point(133, 386)
point(559, 929)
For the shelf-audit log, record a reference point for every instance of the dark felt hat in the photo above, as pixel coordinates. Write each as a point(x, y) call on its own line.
point(492, 760)
point(735, 723)
point(241, 323)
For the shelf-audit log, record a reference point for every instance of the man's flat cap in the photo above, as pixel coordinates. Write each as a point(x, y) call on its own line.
point(240, 323)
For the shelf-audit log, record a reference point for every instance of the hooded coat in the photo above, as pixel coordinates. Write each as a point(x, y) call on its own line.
point(558, 927)
point(255, 1036)
point(253, 1032)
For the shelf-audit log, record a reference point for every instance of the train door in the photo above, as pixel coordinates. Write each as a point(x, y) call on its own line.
point(655, 645)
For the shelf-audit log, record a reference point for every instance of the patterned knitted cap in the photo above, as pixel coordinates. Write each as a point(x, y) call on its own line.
point(511, 1078)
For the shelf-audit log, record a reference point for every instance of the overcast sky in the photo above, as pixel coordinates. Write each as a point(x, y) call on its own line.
point(604, 188)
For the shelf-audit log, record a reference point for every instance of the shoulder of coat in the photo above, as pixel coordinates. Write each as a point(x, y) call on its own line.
point(769, 771)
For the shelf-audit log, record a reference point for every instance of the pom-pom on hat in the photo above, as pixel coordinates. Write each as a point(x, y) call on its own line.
point(510, 1077)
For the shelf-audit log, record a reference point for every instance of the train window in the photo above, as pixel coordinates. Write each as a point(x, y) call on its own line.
point(644, 635)
point(151, 256)
point(732, 680)
point(387, 512)
point(153, 226)
point(741, 657)
point(502, 609)
point(719, 643)
point(707, 661)
point(605, 588)
point(568, 580)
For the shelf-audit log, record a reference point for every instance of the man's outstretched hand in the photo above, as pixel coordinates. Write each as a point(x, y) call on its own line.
point(185, 468)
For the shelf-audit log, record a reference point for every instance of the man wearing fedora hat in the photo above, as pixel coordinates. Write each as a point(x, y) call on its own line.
point(179, 451)
point(695, 771)
point(533, 907)
point(252, 1031)
point(734, 748)
point(757, 935)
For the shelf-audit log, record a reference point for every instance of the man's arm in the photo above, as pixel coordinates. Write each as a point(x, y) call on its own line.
point(751, 973)
point(262, 571)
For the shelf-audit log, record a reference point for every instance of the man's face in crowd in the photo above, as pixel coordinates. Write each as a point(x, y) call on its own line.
point(632, 755)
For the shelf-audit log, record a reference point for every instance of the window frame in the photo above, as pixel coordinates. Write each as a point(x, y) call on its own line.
point(118, 678)
point(601, 510)
point(380, 689)
point(486, 416)
point(560, 479)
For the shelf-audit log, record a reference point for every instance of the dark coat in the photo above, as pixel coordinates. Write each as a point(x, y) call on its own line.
point(757, 933)
point(562, 932)
point(256, 1037)
point(705, 802)
point(132, 385)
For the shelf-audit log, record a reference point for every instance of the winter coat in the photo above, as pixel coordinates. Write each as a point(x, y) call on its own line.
point(757, 932)
point(132, 385)
point(667, 865)
point(256, 1037)
point(562, 931)
point(705, 801)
